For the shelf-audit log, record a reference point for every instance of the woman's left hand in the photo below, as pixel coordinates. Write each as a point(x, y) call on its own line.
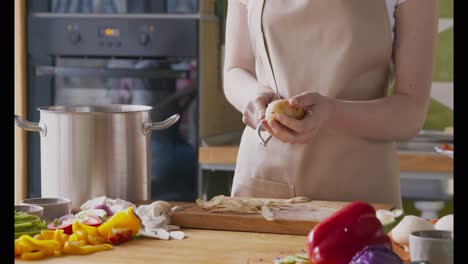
point(290, 130)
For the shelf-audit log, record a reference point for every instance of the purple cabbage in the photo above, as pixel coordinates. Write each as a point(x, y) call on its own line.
point(376, 254)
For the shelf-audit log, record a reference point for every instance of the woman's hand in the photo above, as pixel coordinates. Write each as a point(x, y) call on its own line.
point(255, 109)
point(290, 130)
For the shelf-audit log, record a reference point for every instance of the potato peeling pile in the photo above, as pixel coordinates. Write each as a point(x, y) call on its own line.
point(265, 207)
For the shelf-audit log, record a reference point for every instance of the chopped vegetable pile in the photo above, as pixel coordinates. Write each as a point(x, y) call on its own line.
point(77, 235)
point(101, 223)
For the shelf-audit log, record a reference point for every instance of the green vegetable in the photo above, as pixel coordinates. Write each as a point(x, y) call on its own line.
point(26, 224)
point(293, 259)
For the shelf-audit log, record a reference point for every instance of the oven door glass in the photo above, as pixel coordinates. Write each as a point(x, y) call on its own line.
point(123, 6)
point(166, 86)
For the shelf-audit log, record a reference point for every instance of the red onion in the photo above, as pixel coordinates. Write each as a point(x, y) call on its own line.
point(105, 208)
point(65, 217)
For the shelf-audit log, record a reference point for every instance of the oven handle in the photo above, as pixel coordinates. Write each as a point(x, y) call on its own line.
point(111, 73)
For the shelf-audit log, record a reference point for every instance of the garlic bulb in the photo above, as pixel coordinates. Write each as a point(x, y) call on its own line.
point(409, 224)
point(445, 223)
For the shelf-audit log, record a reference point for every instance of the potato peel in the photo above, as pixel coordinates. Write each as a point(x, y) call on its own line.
point(224, 204)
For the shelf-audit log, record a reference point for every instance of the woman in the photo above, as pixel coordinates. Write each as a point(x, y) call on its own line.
point(337, 60)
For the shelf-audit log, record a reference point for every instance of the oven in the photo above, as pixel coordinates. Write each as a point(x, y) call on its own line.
point(141, 52)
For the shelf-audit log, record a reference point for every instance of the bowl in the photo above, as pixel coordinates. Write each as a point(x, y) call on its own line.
point(30, 209)
point(54, 208)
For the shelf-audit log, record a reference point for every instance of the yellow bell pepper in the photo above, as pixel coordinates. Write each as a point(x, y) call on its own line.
point(47, 234)
point(88, 233)
point(121, 227)
point(92, 230)
point(32, 248)
point(80, 248)
point(73, 237)
point(22, 247)
point(33, 255)
point(48, 246)
point(60, 236)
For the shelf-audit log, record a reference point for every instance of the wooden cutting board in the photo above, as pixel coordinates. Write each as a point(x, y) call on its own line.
point(298, 219)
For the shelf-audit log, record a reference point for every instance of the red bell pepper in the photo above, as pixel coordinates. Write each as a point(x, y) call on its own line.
point(339, 237)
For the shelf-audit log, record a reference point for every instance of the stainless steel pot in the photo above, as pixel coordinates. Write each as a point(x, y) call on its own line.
point(94, 150)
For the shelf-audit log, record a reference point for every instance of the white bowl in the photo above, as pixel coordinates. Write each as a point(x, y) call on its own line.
point(54, 208)
point(30, 209)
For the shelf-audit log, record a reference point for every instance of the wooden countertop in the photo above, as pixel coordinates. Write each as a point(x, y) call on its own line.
point(200, 246)
point(409, 161)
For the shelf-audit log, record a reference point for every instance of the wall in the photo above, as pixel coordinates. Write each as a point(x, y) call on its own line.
point(20, 100)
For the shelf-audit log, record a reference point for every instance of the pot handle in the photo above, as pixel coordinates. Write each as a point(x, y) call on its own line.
point(31, 126)
point(155, 126)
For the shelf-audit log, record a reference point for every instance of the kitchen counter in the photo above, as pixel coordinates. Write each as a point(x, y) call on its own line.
point(200, 246)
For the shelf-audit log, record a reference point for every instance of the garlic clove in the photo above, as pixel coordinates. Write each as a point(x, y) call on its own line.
point(267, 214)
point(385, 216)
point(154, 210)
point(164, 206)
point(161, 233)
point(177, 235)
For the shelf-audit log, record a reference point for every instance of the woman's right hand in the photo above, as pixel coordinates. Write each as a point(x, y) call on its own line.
point(254, 112)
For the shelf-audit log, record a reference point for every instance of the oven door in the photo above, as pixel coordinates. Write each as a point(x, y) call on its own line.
point(168, 86)
point(116, 6)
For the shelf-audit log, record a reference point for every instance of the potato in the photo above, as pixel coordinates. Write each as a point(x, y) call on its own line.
point(282, 106)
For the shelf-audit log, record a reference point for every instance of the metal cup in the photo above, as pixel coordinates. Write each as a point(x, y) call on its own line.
point(434, 246)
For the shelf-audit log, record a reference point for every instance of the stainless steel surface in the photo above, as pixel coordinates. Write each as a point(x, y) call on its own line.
point(262, 141)
point(96, 150)
point(435, 246)
point(155, 126)
point(113, 73)
point(425, 141)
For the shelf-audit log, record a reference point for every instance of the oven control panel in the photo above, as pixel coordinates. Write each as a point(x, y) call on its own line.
point(117, 36)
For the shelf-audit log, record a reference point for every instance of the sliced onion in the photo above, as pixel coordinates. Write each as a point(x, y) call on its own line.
point(105, 208)
point(65, 217)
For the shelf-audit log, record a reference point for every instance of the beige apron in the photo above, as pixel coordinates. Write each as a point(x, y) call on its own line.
point(341, 49)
